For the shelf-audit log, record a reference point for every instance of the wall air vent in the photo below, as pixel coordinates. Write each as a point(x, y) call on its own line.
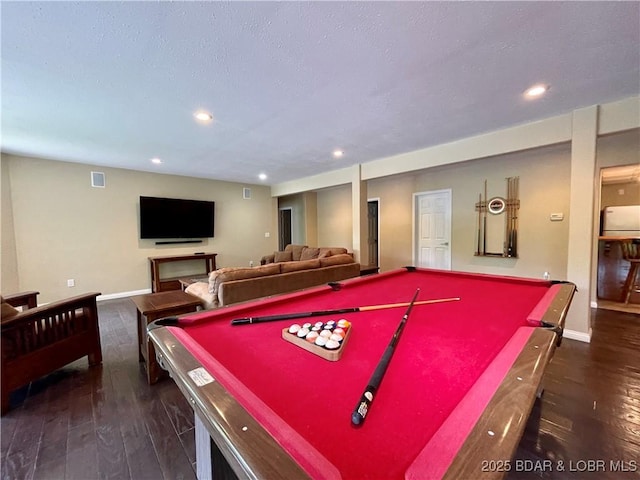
point(97, 179)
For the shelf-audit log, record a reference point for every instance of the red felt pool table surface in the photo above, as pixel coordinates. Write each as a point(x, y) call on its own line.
point(450, 363)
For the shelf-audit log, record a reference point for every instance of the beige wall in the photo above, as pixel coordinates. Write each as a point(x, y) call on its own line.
point(9, 277)
point(65, 229)
point(297, 205)
point(542, 244)
point(616, 150)
point(311, 218)
point(335, 217)
point(394, 218)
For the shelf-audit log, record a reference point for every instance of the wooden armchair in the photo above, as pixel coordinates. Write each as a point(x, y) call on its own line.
point(38, 340)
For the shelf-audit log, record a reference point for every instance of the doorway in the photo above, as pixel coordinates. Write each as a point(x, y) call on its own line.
point(373, 228)
point(284, 227)
point(619, 188)
point(432, 229)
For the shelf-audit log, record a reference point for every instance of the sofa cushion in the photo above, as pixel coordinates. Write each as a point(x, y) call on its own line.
point(282, 256)
point(336, 260)
point(296, 250)
point(301, 265)
point(330, 251)
point(239, 273)
point(309, 252)
point(267, 259)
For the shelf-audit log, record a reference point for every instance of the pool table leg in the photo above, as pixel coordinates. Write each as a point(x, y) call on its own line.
point(210, 462)
point(204, 469)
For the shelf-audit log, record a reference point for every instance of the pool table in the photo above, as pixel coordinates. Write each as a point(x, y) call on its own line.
point(453, 402)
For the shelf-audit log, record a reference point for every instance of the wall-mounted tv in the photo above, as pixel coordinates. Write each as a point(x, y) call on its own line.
point(176, 218)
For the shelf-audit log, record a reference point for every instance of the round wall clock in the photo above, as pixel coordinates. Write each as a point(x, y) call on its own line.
point(496, 205)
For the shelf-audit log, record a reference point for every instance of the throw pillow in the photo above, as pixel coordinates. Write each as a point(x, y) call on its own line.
point(201, 290)
point(296, 250)
point(282, 256)
point(309, 253)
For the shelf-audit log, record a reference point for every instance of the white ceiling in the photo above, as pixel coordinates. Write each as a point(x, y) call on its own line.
point(116, 83)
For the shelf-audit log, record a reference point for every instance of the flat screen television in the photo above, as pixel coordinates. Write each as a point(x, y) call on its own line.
point(176, 218)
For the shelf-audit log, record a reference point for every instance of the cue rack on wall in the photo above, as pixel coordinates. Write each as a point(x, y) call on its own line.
point(496, 206)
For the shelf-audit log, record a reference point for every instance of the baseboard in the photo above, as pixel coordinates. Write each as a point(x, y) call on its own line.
point(112, 296)
point(580, 336)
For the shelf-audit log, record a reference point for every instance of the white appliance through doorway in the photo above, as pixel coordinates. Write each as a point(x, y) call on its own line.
point(432, 229)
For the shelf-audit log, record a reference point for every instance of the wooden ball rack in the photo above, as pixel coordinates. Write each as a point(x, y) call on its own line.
point(331, 355)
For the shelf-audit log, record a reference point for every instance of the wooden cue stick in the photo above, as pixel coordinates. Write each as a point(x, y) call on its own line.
point(516, 188)
point(484, 230)
point(508, 218)
point(362, 408)
point(479, 222)
point(287, 316)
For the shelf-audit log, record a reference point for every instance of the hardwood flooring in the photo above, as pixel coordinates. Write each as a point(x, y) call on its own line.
point(106, 422)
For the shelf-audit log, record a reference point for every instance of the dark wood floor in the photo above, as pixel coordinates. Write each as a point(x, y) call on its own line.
point(106, 422)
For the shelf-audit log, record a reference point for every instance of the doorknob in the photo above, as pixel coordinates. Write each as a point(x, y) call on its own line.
point(445, 244)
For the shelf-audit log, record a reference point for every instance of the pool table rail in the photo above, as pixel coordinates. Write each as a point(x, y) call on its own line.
point(488, 450)
point(247, 447)
point(556, 314)
point(252, 452)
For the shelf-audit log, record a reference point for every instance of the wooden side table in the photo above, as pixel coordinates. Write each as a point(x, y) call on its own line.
point(162, 284)
point(151, 307)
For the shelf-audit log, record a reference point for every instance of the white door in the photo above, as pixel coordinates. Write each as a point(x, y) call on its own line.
point(432, 229)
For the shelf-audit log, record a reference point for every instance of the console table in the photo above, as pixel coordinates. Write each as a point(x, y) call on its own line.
point(159, 284)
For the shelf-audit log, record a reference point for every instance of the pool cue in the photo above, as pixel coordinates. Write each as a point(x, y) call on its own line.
point(479, 221)
point(509, 218)
point(287, 316)
point(484, 230)
point(360, 412)
point(514, 212)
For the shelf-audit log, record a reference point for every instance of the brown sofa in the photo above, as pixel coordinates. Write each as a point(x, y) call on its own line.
point(233, 285)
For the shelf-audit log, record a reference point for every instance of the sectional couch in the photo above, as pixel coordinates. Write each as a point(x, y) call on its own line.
point(297, 267)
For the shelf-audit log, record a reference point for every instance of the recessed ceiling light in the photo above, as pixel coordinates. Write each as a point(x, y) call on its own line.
point(203, 116)
point(536, 91)
point(338, 153)
point(156, 160)
point(262, 176)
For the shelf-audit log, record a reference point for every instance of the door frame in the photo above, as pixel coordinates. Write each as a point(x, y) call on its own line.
point(280, 233)
point(414, 226)
point(377, 200)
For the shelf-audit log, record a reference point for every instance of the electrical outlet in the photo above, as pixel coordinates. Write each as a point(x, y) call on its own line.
point(71, 282)
point(251, 263)
point(267, 234)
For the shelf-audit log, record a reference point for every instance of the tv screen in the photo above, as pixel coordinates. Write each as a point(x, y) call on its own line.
point(176, 218)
